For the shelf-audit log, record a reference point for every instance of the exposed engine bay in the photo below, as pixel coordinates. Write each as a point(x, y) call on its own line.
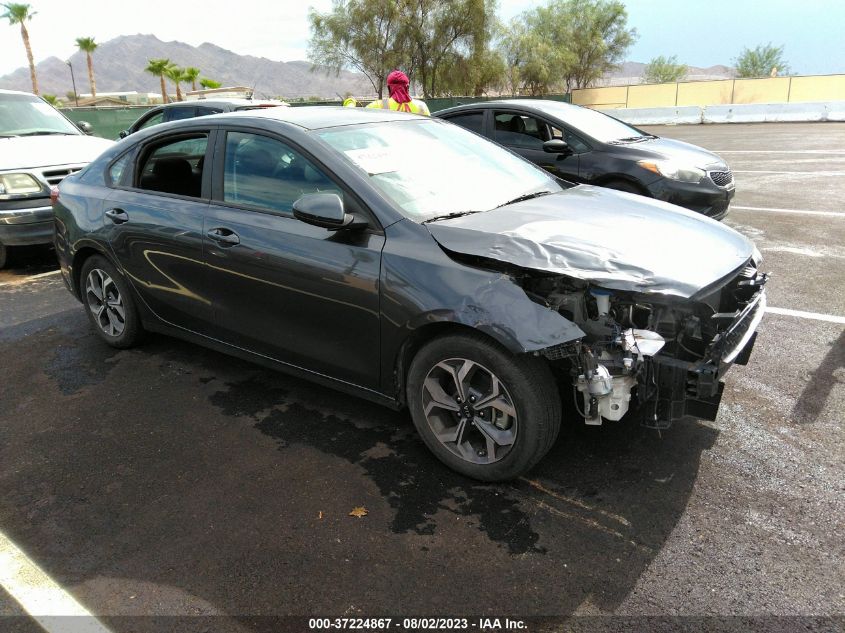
point(657, 357)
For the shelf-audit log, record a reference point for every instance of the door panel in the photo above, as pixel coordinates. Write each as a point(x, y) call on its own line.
point(525, 135)
point(294, 292)
point(158, 237)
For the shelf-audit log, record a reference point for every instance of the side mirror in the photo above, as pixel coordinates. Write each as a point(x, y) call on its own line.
point(326, 211)
point(556, 146)
point(124, 133)
point(85, 127)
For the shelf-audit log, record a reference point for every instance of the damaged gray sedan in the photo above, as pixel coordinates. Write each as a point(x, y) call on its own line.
point(416, 264)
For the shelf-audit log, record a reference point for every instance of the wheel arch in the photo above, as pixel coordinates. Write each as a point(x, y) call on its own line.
point(608, 179)
point(423, 335)
point(80, 256)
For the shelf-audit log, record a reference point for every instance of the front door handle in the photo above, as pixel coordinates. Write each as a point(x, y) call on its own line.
point(224, 237)
point(118, 216)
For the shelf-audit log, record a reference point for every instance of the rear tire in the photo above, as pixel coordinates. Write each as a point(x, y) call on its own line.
point(4, 254)
point(482, 411)
point(109, 303)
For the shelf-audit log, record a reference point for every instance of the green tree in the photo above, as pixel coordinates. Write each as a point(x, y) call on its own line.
point(535, 64)
point(177, 76)
point(443, 34)
point(360, 35)
point(21, 14)
point(53, 100)
point(191, 75)
point(209, 84)
point(661, 70)
point(88, 45)
point(762, 61)
point(568, 42)
point(158, 67)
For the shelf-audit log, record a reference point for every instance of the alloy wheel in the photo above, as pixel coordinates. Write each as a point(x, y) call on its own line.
point(105, 302)
point(469, 410)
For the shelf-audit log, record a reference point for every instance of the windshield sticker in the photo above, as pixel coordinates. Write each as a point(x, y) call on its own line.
point(375, 160)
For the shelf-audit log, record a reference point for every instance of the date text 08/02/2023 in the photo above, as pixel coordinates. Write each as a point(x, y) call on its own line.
point(418, 624)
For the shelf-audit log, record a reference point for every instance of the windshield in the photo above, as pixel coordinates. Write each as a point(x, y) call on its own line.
point(27, 115)
point(431, 169)
point(600, 126)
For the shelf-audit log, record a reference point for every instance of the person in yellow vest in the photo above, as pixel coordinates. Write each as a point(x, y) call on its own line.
point(350, 102)
point(400, 99)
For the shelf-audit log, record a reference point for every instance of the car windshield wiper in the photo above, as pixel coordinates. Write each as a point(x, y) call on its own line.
point(449, 216)
point(46, 133)
point(8, 135)
point(523, 197)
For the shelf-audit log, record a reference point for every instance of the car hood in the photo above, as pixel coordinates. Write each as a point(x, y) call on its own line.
point(614, 240)
point(667, 148)
point(23, 152)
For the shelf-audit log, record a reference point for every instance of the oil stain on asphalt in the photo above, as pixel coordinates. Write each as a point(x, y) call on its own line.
point(415, 485)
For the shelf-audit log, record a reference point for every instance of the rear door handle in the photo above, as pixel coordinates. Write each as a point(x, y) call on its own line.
point(118, 216)
point(224, 237)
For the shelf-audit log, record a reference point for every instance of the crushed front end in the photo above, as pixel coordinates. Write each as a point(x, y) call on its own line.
point(657, 358)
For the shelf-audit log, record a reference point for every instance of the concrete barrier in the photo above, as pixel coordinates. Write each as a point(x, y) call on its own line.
point(684, 115)
point(765, 113)
point(733, 113)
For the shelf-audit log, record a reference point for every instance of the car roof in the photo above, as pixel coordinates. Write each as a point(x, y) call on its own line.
point(317, 117)
point(223, 101)
point(16, 92)
point(547, 106)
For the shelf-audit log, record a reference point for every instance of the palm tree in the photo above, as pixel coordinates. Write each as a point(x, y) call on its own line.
point(158, 67)
point(207, 83)
point(87, 45)
point(191, 74)
point(174, 73)
point(19, 14)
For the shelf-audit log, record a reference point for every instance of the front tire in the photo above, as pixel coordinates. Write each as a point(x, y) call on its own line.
point(482, 411)
point(4, 254)
point(109, 303)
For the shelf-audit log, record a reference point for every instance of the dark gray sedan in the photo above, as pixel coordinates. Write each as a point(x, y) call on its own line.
point(584, 145)
point(408, 261)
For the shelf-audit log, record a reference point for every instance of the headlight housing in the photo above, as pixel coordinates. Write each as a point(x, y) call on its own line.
point(19, 184)
point(673, 170)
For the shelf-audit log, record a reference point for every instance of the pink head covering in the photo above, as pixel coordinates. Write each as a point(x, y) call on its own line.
point(397, 86)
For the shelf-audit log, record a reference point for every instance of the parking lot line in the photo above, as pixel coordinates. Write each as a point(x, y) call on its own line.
point(29, 278)
point(830, 318)
point(55, 610)
point(780, 151)
point(828, 214)
point(789, 173)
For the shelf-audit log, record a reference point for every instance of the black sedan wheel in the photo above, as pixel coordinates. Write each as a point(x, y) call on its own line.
point(482, 411)
point(110, 307)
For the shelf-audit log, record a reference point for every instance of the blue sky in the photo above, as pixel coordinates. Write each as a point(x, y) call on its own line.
point(701, 33)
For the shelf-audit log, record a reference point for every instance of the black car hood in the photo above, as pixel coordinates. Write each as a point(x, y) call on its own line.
point(615, 240)
point(667, 148)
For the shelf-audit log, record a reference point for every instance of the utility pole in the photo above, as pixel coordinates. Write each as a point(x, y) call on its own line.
point(73, 81)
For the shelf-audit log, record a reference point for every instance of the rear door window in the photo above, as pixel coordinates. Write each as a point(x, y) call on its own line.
point(472, 121)
point(174, 166)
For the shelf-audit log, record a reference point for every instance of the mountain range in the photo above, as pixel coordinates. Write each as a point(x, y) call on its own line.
point(119, 66)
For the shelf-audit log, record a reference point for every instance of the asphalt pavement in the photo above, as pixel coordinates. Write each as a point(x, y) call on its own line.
point(169, 480)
